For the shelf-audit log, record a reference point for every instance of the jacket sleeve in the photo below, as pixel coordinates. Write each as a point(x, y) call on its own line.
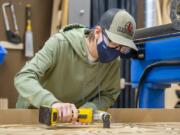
point(107, 96)
point(27, 81)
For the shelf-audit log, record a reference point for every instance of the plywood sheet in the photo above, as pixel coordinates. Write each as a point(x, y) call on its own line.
point(145, 115)
point(30, 116)
point(19, 116)
point(3, 103)
point(94, 129)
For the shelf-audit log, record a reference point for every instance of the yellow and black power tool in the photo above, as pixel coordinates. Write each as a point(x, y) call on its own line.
point(49, 116)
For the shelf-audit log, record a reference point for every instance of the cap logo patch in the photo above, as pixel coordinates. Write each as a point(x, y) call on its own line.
point(128, 29)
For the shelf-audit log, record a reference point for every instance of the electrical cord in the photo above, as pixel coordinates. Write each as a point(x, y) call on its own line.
point(148, 69)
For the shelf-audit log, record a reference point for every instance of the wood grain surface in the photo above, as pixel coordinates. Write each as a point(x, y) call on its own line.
point(171, 128)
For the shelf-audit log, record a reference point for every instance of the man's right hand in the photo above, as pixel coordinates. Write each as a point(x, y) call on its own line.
point(67, 112)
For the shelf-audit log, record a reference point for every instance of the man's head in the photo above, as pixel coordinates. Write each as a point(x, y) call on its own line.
point(119, 26)
point(114, 34)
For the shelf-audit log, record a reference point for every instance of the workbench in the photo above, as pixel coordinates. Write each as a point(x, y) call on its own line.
point(124, 121)
point(94, 129)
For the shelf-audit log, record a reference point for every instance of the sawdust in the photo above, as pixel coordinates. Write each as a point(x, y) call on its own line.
point(172, 128)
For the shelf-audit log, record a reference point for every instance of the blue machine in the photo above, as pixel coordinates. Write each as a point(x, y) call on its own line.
point(159, 66)
point(3, 53)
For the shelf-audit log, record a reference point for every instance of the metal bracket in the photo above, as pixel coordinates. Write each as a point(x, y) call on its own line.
point(11, 36)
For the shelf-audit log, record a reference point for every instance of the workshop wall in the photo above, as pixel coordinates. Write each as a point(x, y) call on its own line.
point(15, 59)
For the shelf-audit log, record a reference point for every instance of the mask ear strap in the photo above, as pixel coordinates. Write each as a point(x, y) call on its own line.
point(102, 37)
point(105, 34)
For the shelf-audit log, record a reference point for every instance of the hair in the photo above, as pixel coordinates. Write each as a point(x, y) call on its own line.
point(90, 34)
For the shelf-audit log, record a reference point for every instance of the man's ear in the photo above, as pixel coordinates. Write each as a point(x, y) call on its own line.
point(98, 31)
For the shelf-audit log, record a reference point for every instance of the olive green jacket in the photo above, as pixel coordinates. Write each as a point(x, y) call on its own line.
point(61, 72)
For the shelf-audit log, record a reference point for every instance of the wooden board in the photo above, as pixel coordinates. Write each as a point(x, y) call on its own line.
point(56, 16)
point(94, 129)
point(135, 122)
point(9, 45)
point(30, 116)
point(3, 103)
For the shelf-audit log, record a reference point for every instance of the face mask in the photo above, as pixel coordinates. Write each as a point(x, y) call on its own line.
point(106, 54)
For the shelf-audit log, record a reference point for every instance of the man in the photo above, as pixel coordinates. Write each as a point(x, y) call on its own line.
point(78, 67)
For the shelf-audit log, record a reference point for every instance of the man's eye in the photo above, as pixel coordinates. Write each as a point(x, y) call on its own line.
point(125, 50)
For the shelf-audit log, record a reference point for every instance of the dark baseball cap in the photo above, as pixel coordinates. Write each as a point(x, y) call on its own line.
point(119, 26)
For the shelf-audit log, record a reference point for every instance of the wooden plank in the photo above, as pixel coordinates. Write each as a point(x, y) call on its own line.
point(65, 13)
point(166, 4)
point(19, 116)
point(158, 13)
point(27, 116)
point(145, 115)
point(3, 103)
point(9, 45)
point(94, 129)
point(56, 16)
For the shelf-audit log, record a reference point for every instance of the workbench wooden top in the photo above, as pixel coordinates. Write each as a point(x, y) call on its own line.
point(172, 128)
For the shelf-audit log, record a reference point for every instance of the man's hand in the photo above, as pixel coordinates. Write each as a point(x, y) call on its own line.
point(67, 112)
